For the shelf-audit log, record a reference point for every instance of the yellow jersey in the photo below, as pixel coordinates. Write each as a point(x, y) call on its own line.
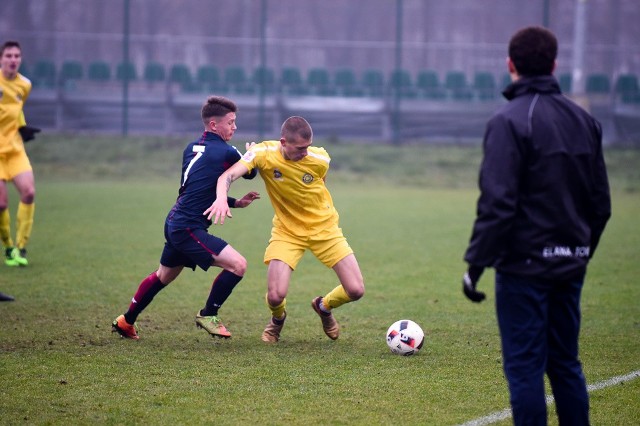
point(13, 94)
point(300, 199)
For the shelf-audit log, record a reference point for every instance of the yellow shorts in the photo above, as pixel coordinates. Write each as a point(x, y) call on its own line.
point(13, 163)
point(329, 246)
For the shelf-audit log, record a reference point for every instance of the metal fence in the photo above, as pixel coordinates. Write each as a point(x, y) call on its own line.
point(379, 69)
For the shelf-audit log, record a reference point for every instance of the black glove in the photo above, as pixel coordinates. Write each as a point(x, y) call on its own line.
point(28, 133)
point(469, 283)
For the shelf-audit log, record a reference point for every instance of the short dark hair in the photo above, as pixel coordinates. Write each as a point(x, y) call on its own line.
point(296, 126)
point(8, 44)
point(533, 51)
point(217, 106)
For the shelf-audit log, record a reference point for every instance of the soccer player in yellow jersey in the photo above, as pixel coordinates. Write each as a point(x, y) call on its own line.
point(294, 173)
point(14, 163)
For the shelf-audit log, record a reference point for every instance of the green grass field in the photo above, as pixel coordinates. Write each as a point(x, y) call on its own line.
point(407, 212)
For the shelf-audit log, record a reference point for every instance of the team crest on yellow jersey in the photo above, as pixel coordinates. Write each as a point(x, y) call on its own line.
point(249, 156)
point(307, 178)
point(277, 174)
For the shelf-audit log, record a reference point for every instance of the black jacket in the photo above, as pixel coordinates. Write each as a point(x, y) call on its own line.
point(544, 198)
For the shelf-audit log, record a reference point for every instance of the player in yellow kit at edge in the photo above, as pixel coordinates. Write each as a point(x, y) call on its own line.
point(294, 174)
point(14, 163)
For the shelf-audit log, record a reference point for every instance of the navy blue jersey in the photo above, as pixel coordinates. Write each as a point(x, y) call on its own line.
point(203, 161)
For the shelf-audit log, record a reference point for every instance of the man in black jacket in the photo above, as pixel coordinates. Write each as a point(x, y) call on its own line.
point(543, 206)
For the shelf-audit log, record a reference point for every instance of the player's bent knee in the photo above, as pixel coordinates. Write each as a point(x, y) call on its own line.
point(239, 266)
point(355, 294)
point(274, 298)
point(167, 275)
point(28, 197)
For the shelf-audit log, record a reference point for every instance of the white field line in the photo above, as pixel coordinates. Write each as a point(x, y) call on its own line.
point(506, 414)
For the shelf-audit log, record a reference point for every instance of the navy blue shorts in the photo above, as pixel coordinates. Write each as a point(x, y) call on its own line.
point(190, 248)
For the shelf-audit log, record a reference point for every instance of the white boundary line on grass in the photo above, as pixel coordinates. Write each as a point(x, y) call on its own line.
point(506, 414)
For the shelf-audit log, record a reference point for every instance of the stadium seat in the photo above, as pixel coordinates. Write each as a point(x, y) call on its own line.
point(71, 70)
point(631, 98)
point(126, 70)
point(291, 82)
point(208, 77)
point(565, 82)
point(598, 84)
point(25, 70)
point(346, 84)
point(44, 74)
point(627, 89)
point(373, 83)
point(154, 73)
point(484, 84)
point(626, 83)
point(264, 79)
point(456, 84)
point(319, 82)
point(400, 83)
point(180, 74)
point(428, 85)
point(99, 71)
point(235, 80)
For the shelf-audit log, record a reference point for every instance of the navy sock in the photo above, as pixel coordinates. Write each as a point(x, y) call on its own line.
point(221, 288)
point(279, 321)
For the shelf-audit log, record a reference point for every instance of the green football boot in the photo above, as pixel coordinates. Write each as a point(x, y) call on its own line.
point(213, 325)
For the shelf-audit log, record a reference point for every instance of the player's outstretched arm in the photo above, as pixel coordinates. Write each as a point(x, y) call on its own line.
point(220, 210)
point(247, 199)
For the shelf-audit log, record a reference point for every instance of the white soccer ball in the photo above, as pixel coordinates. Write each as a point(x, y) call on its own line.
point(405, 337)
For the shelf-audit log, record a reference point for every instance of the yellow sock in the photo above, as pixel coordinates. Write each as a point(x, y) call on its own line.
point(24, 223)
point(5, 228)
point(276, 311)
point(335, 298)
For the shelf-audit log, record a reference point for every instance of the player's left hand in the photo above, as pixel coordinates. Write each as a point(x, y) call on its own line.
point(470, 282)
point(249, 145)
point(218, 211)
point(247, 199)
point(28, 133)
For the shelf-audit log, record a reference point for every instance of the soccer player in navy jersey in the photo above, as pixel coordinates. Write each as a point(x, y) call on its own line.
point(187, 241)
